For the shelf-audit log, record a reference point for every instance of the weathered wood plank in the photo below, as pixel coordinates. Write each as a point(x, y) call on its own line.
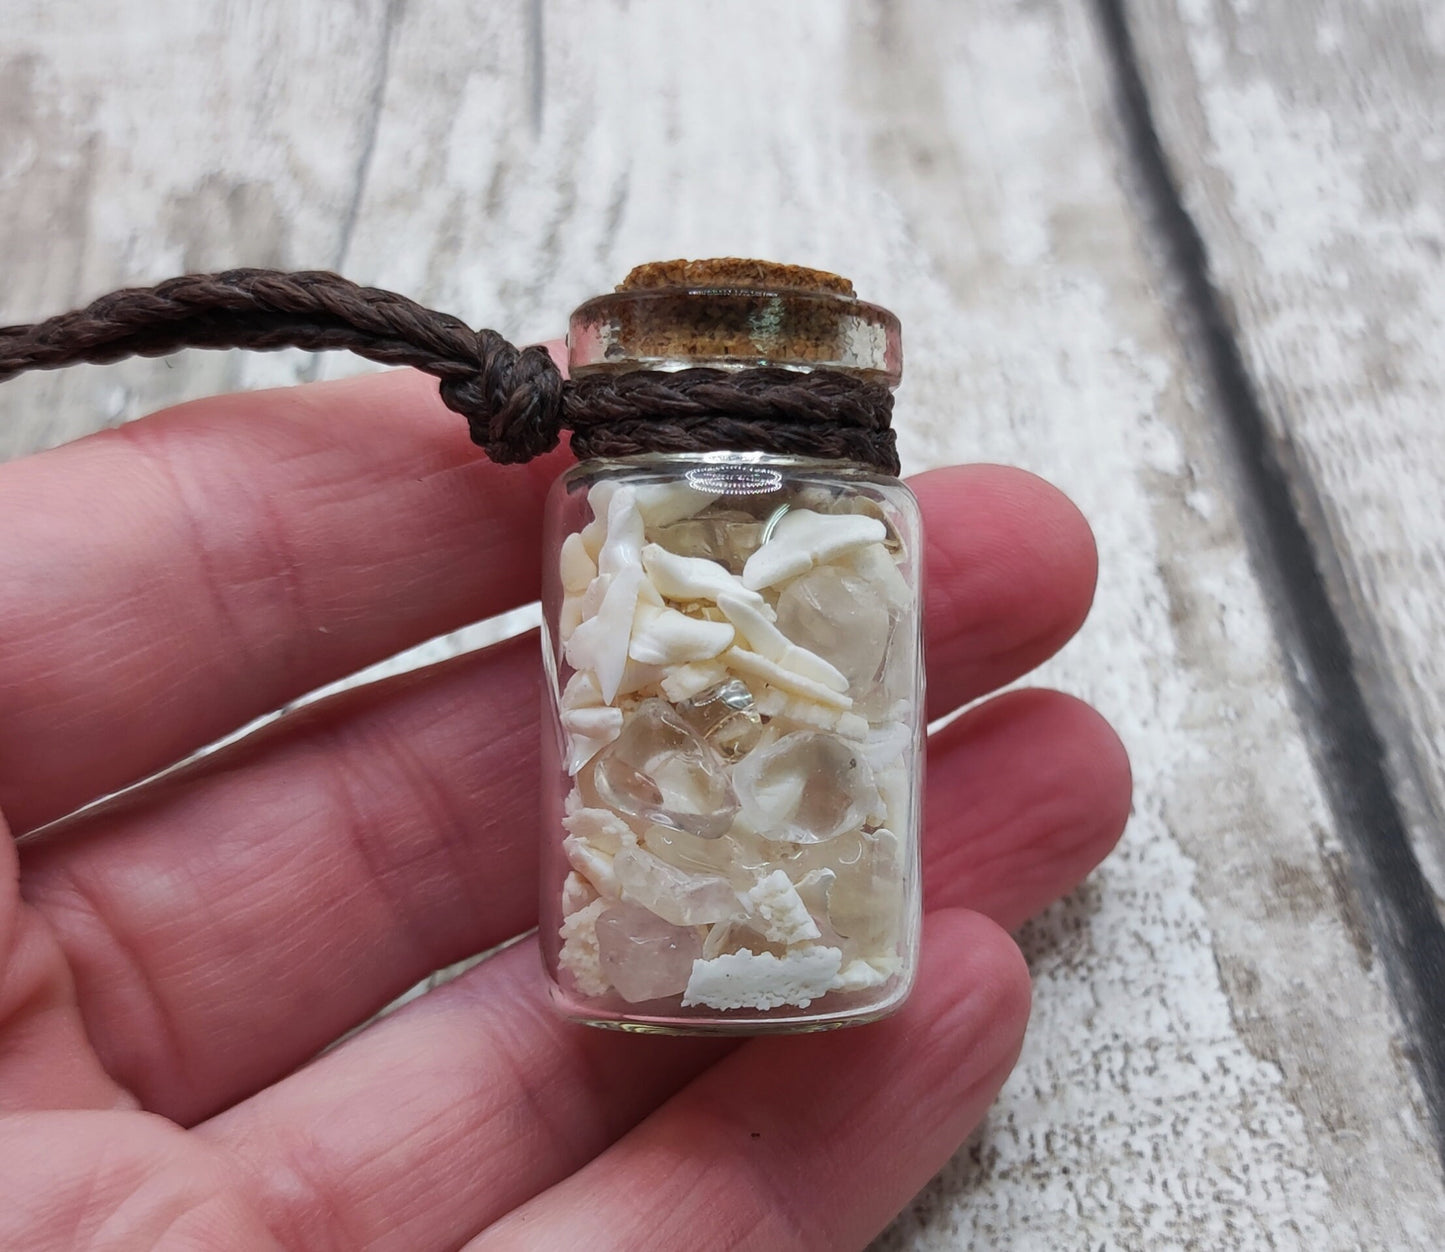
point(1307, 142)
point(1187, 1081)
point(157, 138)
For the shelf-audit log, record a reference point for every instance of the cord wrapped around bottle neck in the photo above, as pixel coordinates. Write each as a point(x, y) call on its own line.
point(515, 400)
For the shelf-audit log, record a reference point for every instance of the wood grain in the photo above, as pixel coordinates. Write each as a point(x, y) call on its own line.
point(1188, 1079)
point(1307, 143)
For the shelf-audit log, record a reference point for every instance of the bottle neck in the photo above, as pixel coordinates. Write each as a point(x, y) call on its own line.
point(672, 329)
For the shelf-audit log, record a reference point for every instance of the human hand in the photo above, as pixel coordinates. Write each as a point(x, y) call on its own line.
point(172, 956)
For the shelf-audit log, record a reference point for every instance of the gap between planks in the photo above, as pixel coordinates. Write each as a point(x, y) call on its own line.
point(1346, 744)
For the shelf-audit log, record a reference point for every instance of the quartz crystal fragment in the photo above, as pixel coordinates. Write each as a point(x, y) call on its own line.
point(660, 770)
point(840, 617)
point(675, 895)
point(726, 536)
point(803, 539)
point(579, 956)
point(865, 903)
point(808, 787)
point(760, 980)
point(697, 856)
point(726, 716)
point(642, 956)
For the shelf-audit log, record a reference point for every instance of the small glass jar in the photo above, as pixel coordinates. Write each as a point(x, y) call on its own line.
point(734, 675)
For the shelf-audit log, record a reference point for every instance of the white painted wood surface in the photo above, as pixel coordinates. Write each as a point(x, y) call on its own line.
point(1309, 142)
point(1189, 1080)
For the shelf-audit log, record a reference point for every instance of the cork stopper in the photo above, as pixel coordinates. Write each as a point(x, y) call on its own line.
point(734, 313)
point(733, 273)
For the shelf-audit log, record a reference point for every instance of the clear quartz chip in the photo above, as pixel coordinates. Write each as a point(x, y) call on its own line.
point(727, 718)
point(865, 899)
point(807, 787)
point(662, 771)
point(728, 536)
point(675, 895)
point(841, 617)
point(642, 956)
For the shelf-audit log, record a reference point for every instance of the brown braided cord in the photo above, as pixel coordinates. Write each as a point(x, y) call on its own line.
point(514, 400)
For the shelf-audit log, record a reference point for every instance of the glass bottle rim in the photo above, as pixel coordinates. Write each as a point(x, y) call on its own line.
point(722, 327)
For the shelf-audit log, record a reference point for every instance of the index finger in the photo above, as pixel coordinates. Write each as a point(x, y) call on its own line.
point(163, 583)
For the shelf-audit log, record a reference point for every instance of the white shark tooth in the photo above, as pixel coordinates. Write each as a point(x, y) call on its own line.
point(688, 578)
point(581, 691)
point(592, 863)
point(578, 609)
point(577, 893)
point(589, 730)
point(778, 912)
point(600, 642)
point(598, 828)
point(894, 795)
point(751, 665)
point(749, 980)
point(594, 837)
point(667, 637)
point(580, 956)
point(636, 676)
point(594, 534)
point(661, 504)
point(768, 641)
point(803, 539)
point(622, 548)
point(599, 496)
point(575, 566)
point(888, 742)
point(685, 681)
point(569, 617)
point(861, 975)
point(782, 704)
